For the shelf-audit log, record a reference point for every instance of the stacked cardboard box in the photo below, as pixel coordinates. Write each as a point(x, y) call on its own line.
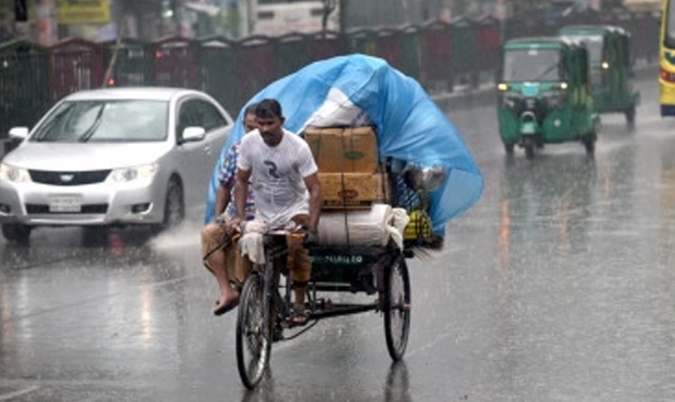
point(349, 168)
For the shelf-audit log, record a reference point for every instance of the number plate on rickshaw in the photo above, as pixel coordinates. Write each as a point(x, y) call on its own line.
point(339, 259)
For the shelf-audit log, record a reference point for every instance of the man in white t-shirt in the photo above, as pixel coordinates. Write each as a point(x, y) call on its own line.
point(283, 173)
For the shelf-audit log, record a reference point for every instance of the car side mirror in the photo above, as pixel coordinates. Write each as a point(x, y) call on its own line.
point(19, 133)
point(193, 134)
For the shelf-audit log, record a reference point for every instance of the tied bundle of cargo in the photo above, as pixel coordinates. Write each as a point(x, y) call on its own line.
point(364, 200)
point(349, 168)
point(354, 188)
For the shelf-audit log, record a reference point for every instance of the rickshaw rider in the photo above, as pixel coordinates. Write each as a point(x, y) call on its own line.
point(282, 171)
point(225, 261)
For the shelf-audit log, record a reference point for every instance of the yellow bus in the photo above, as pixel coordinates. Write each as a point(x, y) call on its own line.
point(667, 59)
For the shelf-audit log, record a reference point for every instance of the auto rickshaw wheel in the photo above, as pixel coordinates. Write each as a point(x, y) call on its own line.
point(508, 148)
point(529, 151)
point(589, 144)
point(630, 115)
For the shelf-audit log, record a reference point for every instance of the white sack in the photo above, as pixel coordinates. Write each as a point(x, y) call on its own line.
point(336, 111)
point(251, 243)
point(365, 228)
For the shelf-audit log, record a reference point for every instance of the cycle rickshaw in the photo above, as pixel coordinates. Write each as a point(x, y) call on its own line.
point(355, 91)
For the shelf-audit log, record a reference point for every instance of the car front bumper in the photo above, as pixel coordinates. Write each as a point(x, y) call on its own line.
point(36, 204)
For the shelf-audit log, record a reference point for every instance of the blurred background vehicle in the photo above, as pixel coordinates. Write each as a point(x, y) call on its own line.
point(113, 157)
point(643, 5)
point(545, 94)
point(611, 67)
point(667, 60)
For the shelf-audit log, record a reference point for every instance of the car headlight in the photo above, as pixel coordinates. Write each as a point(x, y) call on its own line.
point(127, 174)
point(14, 174)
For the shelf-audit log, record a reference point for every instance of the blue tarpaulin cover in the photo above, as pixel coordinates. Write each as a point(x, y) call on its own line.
point(409, 125)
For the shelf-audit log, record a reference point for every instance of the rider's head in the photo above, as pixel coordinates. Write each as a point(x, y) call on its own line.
point(249, 118)
point(270, 121)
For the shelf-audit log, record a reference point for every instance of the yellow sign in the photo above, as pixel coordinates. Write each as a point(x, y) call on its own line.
point(83, 11)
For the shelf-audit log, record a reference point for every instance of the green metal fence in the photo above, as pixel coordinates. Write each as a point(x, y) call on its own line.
point(438, 54)
point(24, 84)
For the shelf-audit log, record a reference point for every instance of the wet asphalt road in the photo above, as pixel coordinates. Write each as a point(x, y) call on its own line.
point(558, 285)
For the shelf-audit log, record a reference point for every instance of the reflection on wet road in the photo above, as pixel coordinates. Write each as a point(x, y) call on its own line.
point(557, 286)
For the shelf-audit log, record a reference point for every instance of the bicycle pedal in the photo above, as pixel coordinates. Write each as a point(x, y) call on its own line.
point(325, 305)
point(278, 334)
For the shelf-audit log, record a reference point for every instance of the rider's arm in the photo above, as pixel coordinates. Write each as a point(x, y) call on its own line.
point(226, 180)
point(241, 192)
point(222, 199)
point(314, 189)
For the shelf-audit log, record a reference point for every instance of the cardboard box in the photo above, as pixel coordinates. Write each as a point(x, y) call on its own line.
point(353, 190)
point(349, 150)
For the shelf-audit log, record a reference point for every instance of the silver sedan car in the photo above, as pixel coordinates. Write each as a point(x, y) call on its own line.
point(113, 157)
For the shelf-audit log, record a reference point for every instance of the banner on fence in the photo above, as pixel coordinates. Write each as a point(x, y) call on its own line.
point(83, 11)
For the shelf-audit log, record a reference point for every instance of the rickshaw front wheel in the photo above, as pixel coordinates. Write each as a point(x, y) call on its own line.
point(254, 334)
point(397, 306)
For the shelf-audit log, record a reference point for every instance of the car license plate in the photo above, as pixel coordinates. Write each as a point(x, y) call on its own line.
point(65, 203)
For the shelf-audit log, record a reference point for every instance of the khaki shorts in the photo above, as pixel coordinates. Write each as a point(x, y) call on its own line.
point(238, 267)
point(298, 263)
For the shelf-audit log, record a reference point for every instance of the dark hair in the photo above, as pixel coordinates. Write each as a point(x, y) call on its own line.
point(250, 109)
point(268, 109)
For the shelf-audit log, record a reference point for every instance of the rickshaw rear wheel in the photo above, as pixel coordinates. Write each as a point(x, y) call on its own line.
point(397, 306)
point(254, 334)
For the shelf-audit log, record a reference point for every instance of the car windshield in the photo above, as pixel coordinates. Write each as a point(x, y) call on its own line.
point(531, 65)
point(105, 121)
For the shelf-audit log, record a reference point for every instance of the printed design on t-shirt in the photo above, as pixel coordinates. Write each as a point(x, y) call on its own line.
point(272, 169)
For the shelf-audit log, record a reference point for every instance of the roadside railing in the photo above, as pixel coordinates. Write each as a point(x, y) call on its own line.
point(438, 54)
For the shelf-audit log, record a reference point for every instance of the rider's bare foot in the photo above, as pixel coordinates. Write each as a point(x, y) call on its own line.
point(226, 303)
point(300, 315)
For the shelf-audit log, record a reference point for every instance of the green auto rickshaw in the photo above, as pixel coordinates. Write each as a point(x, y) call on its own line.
point(611, 67)
point(544, 94)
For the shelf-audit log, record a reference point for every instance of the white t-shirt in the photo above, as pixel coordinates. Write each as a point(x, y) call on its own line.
point(277, 176)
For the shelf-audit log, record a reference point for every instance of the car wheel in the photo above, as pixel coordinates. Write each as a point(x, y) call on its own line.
point(174, 208)
point(16, 232)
